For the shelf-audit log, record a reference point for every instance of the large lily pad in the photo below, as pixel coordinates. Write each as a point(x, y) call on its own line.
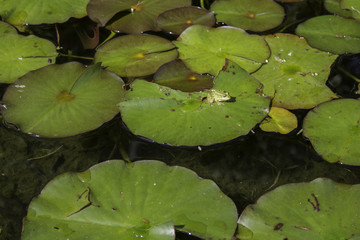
point(22, 12)
point(178, 19)
point(230, 109)
point(258, 16)
point(331, 33)
point(62, 100)
point(334, 129)
point(135, 55)
point(19, 55)
point(140, 16)
point(296, 73)
point(333, 6)
point(204, 49)
point(321, 209)
point(141, 200)
point(6, 29)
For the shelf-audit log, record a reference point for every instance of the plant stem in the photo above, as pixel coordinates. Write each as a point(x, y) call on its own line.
point(341, 69)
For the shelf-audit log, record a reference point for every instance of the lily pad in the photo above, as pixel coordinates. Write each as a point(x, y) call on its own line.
point(230, 109)
point(177, 76)
point(258, 16)
point(331, 33)
point(21, 12)
point(178, 19)
point(20, 54)
point(135, 55)
point(296, 73)
point(139, 16)
point(333, 6)
point(204, 49)
point(141, 200)
point(321, 209)
point(353, 6)
point(7, 29)
point(62, 100)
point(279, 120)
point(334, 129)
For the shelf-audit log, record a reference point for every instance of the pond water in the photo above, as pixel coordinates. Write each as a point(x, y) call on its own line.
point(244, 168)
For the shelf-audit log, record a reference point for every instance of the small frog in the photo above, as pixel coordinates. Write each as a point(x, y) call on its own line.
point(217, 96)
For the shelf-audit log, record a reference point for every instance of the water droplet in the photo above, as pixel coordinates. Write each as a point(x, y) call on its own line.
point(154, 184)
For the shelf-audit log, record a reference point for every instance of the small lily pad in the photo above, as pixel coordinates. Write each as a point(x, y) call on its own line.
point(178, 19)
point(334, 129)
point(230, 109)
point(141, 200)
point(258, 16)
point(177, 76)
point(296, 73)
point(135, 55)
point(204, 49)
point(331, 33)
point(20, 54)
point(279, 120)
point(62, 100)
point(137, 16)
point(353, 6)
point(7, 29)
point(21, 12)
point(321, 209)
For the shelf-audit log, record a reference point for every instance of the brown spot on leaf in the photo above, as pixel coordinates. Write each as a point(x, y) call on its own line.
point(278, 226)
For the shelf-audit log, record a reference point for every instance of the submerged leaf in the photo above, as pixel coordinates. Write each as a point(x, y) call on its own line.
point(141, 200)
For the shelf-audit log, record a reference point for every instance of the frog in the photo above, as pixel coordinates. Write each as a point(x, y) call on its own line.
point(217, 96)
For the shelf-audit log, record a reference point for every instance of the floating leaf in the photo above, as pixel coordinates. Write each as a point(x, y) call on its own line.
point(62, 100)
point(137, 16)
point(258, 16)
point(279, 120)
point(204, 49)
point(178, 19)
point(296, 73)
point(331, 33)
point(230, 109)
point(19, 55)
point(334, 129)
point(21, 12)
point(141, 200)
point(7, 29)
point(353, 6)
point(135, 55)
point(177, 76)
point(321, 209)
point(333, 6)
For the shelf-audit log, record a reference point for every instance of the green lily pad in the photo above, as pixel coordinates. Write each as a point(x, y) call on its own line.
point(139, 16)
point(62, 100)
point(333, 6)
point(296, 73)
point(331, 33)
point(321, 209)
point(178, 19)
point(204, 49)
point(334, 129)
point(279, 120)
point(21, 12)
point(258, 16)
point(177, 76)
point(353, 6)
point(135, 55)
point(19, 55)
point(7, 29)
point(141, 200)
point(230, 109)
